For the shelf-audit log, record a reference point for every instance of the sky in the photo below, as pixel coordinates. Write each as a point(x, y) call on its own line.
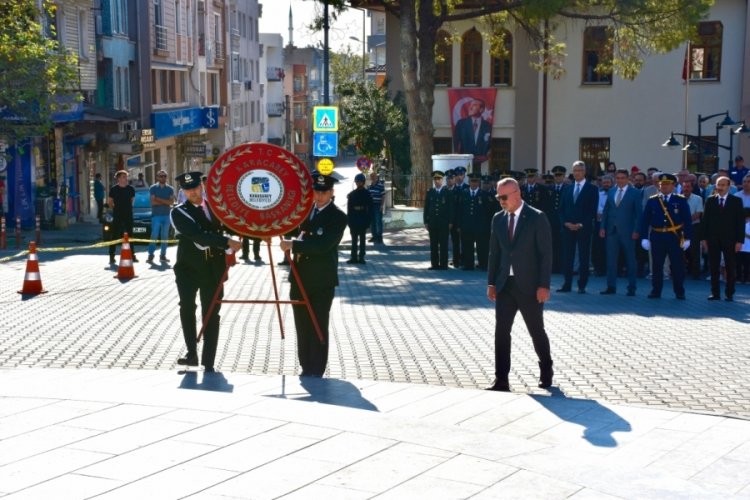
point(275, 19)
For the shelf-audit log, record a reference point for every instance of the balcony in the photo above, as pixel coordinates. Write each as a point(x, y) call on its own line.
point(219, 53)
point(274, 74)
point(160, 38)
point(275, 108)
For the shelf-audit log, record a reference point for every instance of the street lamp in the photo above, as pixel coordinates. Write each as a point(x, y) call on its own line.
point(363, 54)
point(726, 123)
point(691, 147)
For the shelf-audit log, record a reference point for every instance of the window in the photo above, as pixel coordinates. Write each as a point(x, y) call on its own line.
point(236, 76)
point(213, 88)
point(594, 152)
point(297, 83)
point(471, 58)
point(125, 89)
point(158, 17)
point(117, 102)
point(501, 65)
point(443, 58)
point(500, 150)
point(299, 110)
point(119, 15)
point(596, 51)
point(83, 33)
point(705, 52)
point(177, 17)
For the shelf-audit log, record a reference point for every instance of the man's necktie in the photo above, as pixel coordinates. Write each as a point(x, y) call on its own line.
point(511, 225)
point(314, 213)
point(206, 211)
point(721, 202)
point(577, 192)
point(619, 197)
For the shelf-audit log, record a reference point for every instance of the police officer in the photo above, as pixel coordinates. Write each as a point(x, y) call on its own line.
point(316, 260)
point(455, 186)
point(535, 193)
point(555, 215)
point(438, 218)
point(667, 217)
point(359, 212)
point(200, 265)
point(472, 218)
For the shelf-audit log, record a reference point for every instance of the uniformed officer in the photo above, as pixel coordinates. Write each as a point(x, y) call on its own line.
point(667, 217)
point(472, 218)
point(438, 218)
point(455, 186)
point(555, 217)
point(200, 265)
point(316, 260)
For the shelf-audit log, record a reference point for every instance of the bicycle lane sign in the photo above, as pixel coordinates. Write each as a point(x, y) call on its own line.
point(325, 144)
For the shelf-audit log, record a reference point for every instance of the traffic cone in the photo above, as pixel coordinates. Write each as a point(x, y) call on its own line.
point(125, 270)
point(32, 281)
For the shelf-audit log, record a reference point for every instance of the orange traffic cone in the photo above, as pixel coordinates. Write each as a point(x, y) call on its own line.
point(32, 281)
point(125, 270)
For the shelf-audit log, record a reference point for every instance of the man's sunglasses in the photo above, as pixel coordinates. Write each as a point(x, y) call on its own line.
point(504, 197)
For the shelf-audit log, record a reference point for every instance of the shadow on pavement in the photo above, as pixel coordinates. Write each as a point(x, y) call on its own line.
point(215, 382)
point(599, 422)
point(328, 391)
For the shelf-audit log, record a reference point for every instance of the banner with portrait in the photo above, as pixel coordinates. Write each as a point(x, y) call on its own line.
point(472, 114)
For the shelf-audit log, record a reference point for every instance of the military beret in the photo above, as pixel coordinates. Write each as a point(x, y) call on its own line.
point(190, 180)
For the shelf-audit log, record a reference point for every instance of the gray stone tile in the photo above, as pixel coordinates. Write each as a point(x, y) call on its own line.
point(39, 468)
point(147, 460)
point(527, 485)
point(433, 488)
point(36, 418)
point(41, 440)
point(468, 469)
point(316, 490)
point(68, 486)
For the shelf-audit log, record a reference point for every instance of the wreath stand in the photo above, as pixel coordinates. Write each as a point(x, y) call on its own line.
point(276, 301)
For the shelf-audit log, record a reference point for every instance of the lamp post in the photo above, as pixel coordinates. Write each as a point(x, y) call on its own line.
point(691, 147)
point(727, 122)
point(363, 54)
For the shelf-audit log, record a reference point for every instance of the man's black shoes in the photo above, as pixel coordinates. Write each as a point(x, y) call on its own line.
point(499, 385)
point(188, 360)
point(545, 375)
point(564, 289)
point(608, 291)
point(714, 297)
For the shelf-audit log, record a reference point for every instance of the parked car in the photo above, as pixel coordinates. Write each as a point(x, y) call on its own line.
point(141, 217)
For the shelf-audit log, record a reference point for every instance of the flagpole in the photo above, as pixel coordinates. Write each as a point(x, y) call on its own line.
point(686, 63)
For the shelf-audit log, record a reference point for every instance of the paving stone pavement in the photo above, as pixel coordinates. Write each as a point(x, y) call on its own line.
point(392, 320)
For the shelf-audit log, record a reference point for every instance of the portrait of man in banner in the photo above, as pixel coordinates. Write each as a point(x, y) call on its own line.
point(471, 118)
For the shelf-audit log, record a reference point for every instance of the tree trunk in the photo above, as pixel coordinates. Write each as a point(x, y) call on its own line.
point(419, 85)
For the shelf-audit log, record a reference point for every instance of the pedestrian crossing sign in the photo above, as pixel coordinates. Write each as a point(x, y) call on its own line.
point(325, 119)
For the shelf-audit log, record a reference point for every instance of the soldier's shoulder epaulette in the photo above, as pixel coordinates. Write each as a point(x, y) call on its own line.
point(679, 195)
point(654, 196)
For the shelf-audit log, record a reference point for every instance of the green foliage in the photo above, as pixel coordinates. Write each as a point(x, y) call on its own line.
point(345, 66)
point(34, 69)
point(373, 121)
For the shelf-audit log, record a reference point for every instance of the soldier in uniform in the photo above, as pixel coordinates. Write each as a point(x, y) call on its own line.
point(200, 265)
point(316, 260)
point(555, 216)
point(438, 219)
point(667, 216)
point(359, 213)
point(472, 222)
point(455, 189)
point(535, 193)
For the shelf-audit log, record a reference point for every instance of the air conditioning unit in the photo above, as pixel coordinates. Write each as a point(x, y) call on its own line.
point(127, 126)
point(248, 85)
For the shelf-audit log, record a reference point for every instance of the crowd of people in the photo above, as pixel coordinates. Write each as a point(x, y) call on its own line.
point(621, 224)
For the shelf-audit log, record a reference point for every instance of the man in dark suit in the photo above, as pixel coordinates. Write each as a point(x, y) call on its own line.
point(518, 278)
point(555, 216)
point(438, 219)
point(723, 235)
point(619, 227)
point(472, 134)
point(316, 260)
point(200, 265)
point(578, 206)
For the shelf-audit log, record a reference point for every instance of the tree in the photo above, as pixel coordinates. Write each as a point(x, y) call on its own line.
point(374, 121)
point(36, 73)
point(637, 28)
point(345, 67)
